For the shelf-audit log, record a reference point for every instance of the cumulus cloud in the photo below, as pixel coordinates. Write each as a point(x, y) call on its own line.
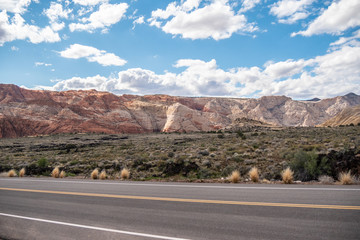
point(290, 11)
point(338, 17)
point(15, 6)
point(92, 54)
point(56, 12)
point(332, 74)
point(107, 15)
point(188, 19)
point(248, 4)
point(16, 29)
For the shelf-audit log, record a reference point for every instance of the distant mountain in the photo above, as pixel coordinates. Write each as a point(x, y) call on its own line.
point(347, 116)
point(314, 100)
point(32, 112)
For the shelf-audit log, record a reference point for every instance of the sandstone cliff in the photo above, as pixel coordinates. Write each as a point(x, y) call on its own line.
point(347, 116)
point(32, 112)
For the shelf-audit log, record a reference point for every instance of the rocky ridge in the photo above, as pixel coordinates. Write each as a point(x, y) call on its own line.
point(347, 116)
point(26, 112)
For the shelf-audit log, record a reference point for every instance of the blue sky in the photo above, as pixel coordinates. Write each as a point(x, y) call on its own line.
point(245, 48)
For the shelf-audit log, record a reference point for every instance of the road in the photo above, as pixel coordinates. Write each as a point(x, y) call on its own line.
point(33, 208)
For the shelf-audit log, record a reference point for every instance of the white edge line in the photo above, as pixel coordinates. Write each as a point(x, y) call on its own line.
point(92, 227)
point(184, 186)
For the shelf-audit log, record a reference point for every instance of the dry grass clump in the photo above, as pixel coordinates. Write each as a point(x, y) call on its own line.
point(254, 174)
point(62, 174)
point(125, 174)
point(265, 181)
point(325, 179)
point(235, 176)
point(346, 178)
point(55, 173)
point(95, 174)
point(103, 175)
point(12, 173)
point(22, 172)
point(287, 176)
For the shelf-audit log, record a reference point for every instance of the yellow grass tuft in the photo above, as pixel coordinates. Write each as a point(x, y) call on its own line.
point(22, 172)
point(62, 174)
point(55, 173)
point(125, 174)
point(103, 175)
point(234, 176)
point(265, 181)
point(287, 176)
point(12, 173)
point(254, 174)
point(95, 174)
point(346, 178)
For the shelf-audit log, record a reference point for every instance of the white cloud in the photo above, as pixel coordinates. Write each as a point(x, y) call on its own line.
point(92, 54)
point(84, 10)
point(290, 11)
point(56, 11)
point(14, 6)
point(13, 48)
point(333, 74)
point(286, 68)
point(107, 15)
point(37, 64)
point(348, 41)
point(338, 17)
point(90, 2)
point(139, 20)
point(216, 20)
point(248, 4)
point(16, 29)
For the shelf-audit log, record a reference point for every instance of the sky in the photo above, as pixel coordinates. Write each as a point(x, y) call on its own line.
point(224, 48)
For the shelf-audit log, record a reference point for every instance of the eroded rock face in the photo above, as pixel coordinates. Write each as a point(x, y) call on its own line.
point(32, 112)
point(350, 115)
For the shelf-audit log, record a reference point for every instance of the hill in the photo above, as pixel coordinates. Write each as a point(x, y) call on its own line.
point(26, 112)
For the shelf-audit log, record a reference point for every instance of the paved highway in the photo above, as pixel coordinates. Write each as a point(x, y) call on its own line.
point(33, 208)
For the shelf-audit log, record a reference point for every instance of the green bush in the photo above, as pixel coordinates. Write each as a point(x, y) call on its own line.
point(240, 134)
point(42, 163)
point(309, 166)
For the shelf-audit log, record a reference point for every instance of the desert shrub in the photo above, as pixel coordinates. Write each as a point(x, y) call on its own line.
point(62, 174)
point(95, 174)
point(325, 179)
point(204, 173)
point(234, 176)
point(125, 174)
point(42, 163)
point(287, 176)
point(103, 175)
point(55, 173)
point(346, 178)
point(309, 166)
point(227, 171)
point(12, 173)
point(254, 174)
point(22, 172)
point(342, 161)
point(240, 134)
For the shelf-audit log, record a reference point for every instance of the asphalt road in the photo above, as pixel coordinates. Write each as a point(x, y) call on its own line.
point(76, 209)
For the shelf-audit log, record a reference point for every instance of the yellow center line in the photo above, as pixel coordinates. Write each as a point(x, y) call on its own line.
point(295, 205)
